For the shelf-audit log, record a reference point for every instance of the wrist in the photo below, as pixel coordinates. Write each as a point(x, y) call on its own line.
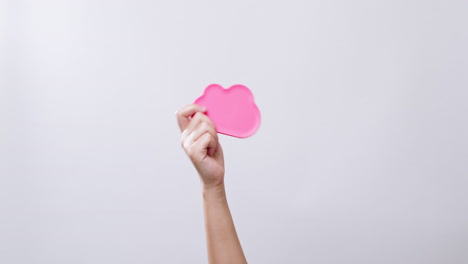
point(214, 192)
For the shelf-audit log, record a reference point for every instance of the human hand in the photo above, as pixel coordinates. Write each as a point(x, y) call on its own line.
point(199, 139)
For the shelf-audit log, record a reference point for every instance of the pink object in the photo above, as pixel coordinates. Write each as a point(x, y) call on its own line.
point(232, 110)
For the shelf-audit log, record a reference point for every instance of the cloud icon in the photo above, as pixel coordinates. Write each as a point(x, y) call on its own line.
point(232, 110)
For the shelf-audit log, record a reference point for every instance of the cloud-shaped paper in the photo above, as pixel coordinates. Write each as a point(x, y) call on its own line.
point(232, 110)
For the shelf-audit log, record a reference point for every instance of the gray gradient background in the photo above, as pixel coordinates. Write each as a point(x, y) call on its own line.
point(361, 157)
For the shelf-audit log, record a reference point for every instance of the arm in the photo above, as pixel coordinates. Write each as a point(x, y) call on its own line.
point(200, 141)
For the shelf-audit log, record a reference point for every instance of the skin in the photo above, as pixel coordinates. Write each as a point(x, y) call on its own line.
point(200, 142)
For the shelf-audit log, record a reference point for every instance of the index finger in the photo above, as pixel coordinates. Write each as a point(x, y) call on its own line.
point(186, 112)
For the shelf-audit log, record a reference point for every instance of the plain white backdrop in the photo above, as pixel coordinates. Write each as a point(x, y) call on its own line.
point(362, 155)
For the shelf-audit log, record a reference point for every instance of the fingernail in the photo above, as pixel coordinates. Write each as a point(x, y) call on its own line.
point(203, 109)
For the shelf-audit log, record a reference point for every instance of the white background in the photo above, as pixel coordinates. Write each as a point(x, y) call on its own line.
point(362, 155)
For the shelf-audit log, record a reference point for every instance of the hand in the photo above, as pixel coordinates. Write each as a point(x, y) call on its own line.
point(200, 141)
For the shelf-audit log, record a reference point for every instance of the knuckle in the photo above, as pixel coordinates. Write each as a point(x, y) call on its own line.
point(180, 114)
point(211, 125)
point(212, 132)
point(204, 126)
point(212, 129)
point(210, 136)
point(200, 116)
point(190, 152)
point(186, 145)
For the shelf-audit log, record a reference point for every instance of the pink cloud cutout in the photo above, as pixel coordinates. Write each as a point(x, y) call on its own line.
point(232, 110)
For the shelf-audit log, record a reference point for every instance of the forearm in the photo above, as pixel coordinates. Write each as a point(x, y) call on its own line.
point(222, 241)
